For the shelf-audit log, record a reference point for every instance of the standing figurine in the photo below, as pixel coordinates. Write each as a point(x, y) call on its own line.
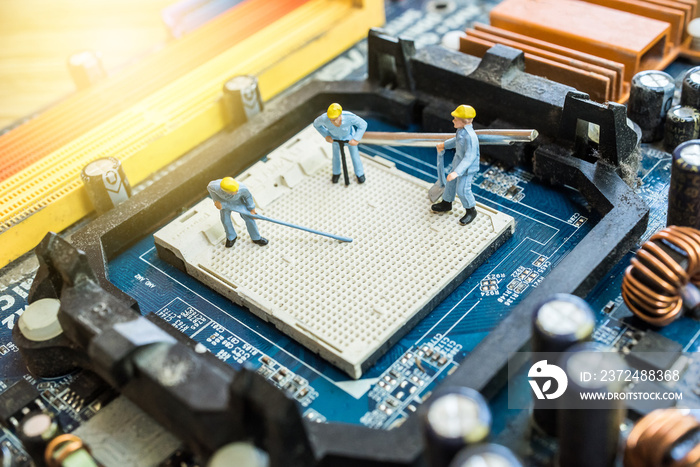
point(340, 127)
point(464, 165)
point(229, 195)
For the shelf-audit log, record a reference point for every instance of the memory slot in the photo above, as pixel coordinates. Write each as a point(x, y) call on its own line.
point(48, 195)
point(87, 109)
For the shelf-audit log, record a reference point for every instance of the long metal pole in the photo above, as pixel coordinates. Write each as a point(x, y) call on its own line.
point(428, 140)
point(341, 148)
point(294, 226)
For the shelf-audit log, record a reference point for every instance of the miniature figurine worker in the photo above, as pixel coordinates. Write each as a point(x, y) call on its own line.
point(464, 165)
point(228, 194)
point(338, 125)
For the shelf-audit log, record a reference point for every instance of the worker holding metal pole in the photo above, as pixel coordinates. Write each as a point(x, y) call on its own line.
point(229, 195)
point(429, 140)
point(340, 127)
point(465, 164)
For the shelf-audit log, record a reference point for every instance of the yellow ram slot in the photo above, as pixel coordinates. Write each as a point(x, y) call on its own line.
point(134, 129)
point(49, 194)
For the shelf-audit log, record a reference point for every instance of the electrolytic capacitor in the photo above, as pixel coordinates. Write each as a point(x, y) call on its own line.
point(693, 30)
point(106, 183)
point(682, 124)
point(650, 98)
point(559, 323)
point(454, 419)
point(241, 99)
point(690, 89)
point(486, 455)
point(684, 190)
point(589, 430)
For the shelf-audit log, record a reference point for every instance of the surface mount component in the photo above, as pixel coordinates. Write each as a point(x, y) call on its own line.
point(348, 302)
point(654, 352)
point(639, 407)
point(14, 399)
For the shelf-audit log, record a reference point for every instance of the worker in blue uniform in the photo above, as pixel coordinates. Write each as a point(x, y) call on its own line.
point(465, 164)
point(338, 125)
point(228, 195)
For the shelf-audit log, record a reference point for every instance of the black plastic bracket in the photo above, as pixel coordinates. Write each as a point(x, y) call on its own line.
point(389, 60)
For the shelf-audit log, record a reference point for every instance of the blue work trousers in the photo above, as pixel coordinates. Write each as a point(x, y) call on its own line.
point(354, 156)
point(231, 232)
point(462, 186)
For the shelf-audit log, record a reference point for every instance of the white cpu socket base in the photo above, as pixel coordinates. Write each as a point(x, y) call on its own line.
point(349, 302)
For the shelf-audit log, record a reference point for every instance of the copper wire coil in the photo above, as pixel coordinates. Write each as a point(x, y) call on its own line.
point(654, 436)
point(60, 448)
point(653, 282)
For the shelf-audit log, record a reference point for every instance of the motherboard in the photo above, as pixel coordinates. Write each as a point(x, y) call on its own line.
point(412, 345)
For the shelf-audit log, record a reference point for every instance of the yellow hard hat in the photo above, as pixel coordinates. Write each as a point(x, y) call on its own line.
point(334, 111)
point(464, 111)
point(229, 184)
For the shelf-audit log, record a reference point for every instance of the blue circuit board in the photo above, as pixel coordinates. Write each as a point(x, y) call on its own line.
point(550, 221)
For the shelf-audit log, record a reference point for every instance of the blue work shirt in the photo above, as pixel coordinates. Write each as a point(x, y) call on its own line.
point(352, 127)
point(230, 201)
point(466, 146)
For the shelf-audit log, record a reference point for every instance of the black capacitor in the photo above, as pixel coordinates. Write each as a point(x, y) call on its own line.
point(690, 89)
point(560, 322)
point(106, 183)
point(684, 190)
point(650, 98)
point(453, 419)
point(242, 99)
point(589, 432)
point(682, 124)
point(486, 455)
